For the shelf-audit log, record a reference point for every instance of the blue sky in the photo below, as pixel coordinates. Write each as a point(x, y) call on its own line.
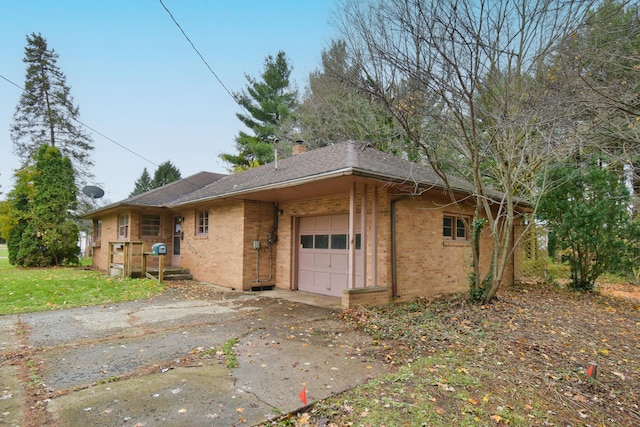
point(138, 81)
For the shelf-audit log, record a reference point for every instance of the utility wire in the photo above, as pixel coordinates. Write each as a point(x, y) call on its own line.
point(89, 127)
point(198, 52)
point(103, 135)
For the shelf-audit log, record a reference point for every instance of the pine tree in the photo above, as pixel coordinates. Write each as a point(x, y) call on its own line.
point(269, 102)
point(143, 184)
point(44, 234)
point(165, 174)
point(46, 114)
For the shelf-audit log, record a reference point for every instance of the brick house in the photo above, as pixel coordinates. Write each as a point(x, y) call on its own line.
point(345, 220)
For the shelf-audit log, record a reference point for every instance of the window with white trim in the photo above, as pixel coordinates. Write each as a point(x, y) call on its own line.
point(203, 223)
point(123, 227)
point(97, 230)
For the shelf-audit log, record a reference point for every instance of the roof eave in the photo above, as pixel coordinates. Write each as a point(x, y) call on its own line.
point(118, 205)
point(350, 171)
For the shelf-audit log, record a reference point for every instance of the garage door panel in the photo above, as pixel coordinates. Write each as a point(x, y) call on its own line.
point(322, 223)
point(340, 222)
point(339, 261)
point(305, 278)
point(339, 281)
point(322, 280)
point(322, 261)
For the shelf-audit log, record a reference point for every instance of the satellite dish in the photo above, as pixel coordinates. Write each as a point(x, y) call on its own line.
point(93, 192)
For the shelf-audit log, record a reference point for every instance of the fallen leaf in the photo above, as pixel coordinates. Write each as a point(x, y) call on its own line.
point(239, 410)
point(580, 398)
point(619, 375)
point(497, 418)
point(472, 401)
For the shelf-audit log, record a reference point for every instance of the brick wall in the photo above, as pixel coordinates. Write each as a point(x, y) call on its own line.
point(259, 265)
point(427, 264)
point(217, 257)
point(109, 234)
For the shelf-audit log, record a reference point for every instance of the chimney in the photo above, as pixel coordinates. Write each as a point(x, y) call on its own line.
point(298, 148)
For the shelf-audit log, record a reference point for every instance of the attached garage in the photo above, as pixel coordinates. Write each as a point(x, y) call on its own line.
point(323, 254)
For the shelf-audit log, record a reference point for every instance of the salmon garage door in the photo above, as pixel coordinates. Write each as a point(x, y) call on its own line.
point(323, 254)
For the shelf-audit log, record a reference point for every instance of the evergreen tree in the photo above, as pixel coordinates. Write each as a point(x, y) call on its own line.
point(269, 103)
point(165, 174)
point(143, 184)
point(16, 213)
point(46, 114)
point(43, 233)
point(587, 212)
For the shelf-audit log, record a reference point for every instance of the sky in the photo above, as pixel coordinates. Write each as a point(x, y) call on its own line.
point(137, 80)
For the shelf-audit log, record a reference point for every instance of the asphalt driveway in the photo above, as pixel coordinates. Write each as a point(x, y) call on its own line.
point(160, 361)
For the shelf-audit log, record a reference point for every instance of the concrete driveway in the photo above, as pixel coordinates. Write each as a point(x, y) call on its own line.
point(160, 361)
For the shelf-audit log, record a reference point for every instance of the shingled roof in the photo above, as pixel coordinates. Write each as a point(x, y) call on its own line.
point(341, 159)
point(345, 158)
point(166, 195)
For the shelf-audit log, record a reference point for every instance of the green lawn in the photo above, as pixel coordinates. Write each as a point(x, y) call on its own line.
point(27, 290)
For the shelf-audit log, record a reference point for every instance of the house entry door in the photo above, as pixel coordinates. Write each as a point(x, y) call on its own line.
point(177, 239)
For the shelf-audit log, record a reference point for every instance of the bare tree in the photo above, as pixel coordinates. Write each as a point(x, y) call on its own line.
point(464, 79)
point(600, 65)
point(334, 109)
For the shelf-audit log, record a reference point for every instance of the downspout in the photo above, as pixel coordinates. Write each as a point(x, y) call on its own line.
point(394, 267)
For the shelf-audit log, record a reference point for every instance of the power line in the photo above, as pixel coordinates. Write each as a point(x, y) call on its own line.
point(101, 134)
point(197, 51)
point(89, 127)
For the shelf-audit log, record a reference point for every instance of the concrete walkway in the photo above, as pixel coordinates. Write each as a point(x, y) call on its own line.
point(160, 361)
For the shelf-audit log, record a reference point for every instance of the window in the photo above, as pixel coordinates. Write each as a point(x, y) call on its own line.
point(326, 241)
point(203, 223)
point(321, 241)
point(306, 241)
point(150, 225)
point(453, 228)
point(97, 230)
point(338, 241)
point(123, 227)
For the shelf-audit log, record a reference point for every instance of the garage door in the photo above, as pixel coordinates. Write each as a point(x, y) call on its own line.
point(323, 255)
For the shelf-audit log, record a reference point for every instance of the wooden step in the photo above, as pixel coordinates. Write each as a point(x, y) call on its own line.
point(170, 273)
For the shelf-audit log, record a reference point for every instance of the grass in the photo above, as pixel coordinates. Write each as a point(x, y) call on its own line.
point(27, 290)
point(231, 361)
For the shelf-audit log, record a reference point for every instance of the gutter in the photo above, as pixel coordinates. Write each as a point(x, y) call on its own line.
point(394, 251)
